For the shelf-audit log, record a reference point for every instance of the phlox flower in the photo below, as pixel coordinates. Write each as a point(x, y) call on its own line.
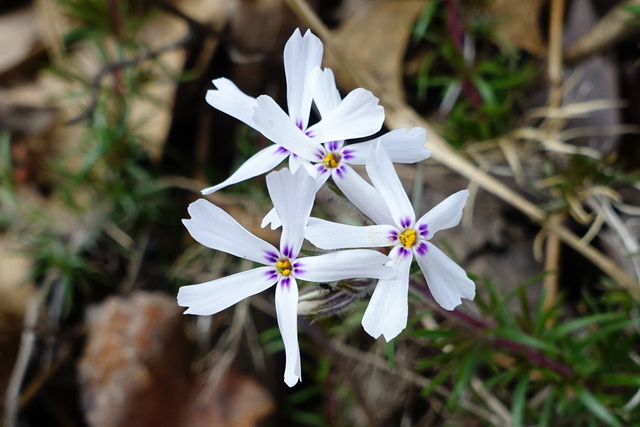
point(333, 158)
point(409, 238)
point(357, 115)
point(292, 196)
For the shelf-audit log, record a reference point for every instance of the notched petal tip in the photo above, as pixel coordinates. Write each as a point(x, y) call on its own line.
point(292, 380)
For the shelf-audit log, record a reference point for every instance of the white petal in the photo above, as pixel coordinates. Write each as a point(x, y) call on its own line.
point(358, 115)
point(292, 196)
point(363, 195)
point(350, 264)
point(447, 281)
point(214, 296)
point(386, 181)
point(271, 218)
point(261, 162)
point(214, 228)
point(331, 235)
point(296, 162)
point(325, 93)
point(406, 145)
point(402, 145)
point(301, 55)
point(388, 309)
point(273, 123)
point(322, 175)
point(287, 312)
point(231, 100)
point(445, 214)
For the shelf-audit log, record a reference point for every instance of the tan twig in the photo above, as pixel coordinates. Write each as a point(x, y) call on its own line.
point(613, 27)
point(554, 67)
point(399, 114)
point(222, 357)
point(411, 377)
point(624, 234)
point(554, 72)
point(27, 345)
point(32, 389)
point(135, 262)
point(492, 401)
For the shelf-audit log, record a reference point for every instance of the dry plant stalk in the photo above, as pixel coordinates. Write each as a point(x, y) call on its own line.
point(399, 114)
point(609, 30)
point(554, 72)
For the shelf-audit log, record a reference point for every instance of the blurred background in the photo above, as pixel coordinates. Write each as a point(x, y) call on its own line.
point(105, 138)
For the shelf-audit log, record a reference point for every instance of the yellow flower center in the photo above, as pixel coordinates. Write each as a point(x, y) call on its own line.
point(284, 267)
point(408, 237)
point(331, 160)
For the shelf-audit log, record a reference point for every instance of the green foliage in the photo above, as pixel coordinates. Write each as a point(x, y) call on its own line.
point(8, 198)
point(102, 192)
point(582, 364)
point(99, 18)
point(484, 87)
point(573, 179)
point(545, 366)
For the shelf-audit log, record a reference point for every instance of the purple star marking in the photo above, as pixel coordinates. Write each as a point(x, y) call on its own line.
point(404, 252)
point(271, 275)
point(287, 251)
point(405, 222)
point(333, 145)
point(285, 282)
point(270, 256)
point(297, 268)
point(422, 248)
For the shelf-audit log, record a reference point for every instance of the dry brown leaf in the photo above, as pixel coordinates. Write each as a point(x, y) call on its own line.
point(376, 39)
point(135, 371)
point(151, 114)
point(20, 38)
point(154, 115)
point(518, 23)
point(15, 284)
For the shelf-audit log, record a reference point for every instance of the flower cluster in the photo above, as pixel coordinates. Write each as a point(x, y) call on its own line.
point(317, 152)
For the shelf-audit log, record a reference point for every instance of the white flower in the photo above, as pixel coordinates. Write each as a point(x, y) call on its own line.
point(387, 311)
point(292, 196)
point(334, 157)
point(358, 115)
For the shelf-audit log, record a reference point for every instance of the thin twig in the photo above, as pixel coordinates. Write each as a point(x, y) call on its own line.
point(411, 377)
point(135, 262)
point(554, 73)
point(613, 27)
point(36, 384)
point(624, 234)
point(492, 401)
point(554, 67)
point(480, 327)
point(399, 114)
point(196, 31)
point(87, 115)
point(27, 345)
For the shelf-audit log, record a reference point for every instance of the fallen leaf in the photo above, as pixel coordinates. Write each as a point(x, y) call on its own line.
point(518, 24)
point(376, 39)
point(19, 30)
point(135, 371)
